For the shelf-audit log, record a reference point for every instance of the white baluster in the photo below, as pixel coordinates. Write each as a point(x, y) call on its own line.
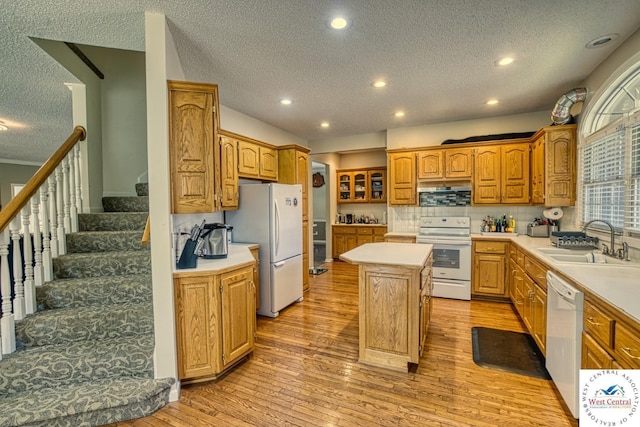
point(7, 322)
point(29, 286)
point(37, 240)
point(53, 216)
point(73, 210)
point(66, 195)
point(62, 241)
point(18, 286)
point(78, 180)
point(47, 266)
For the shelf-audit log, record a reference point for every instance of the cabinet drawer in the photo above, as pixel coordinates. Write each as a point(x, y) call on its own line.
point(598, 324)
point(536, 271)
point(364, 230)
point(627, 346)
point(513, 252)
point(379, 231)
point(344, 230)
point(490, 247)
point(520, 259)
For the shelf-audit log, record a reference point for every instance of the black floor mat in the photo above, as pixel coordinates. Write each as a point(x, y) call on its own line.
point(508, 351)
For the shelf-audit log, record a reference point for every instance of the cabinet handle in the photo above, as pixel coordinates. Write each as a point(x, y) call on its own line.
point(628, 351)
point(590, 320)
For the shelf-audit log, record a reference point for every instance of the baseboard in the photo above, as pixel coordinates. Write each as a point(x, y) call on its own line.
point(174, 394)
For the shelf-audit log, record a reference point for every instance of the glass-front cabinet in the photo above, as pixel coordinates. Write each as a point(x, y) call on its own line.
point(362, 186)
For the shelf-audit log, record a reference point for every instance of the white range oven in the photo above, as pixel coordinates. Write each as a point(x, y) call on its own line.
point(451, 240)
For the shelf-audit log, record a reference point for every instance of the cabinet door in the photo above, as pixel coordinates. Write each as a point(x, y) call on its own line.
point(191, 147)
point(488, 277)
point(540, 319)
point(268, 163)
point(351, 241)
point(594, 356)
point(402, 179)
point(486, 179)
point(559, 167)
point(360, 181)
point(238, 314)
point(431, 165)
point(528, 306)
point(248, 159)
point(513, 280)
point(377, 185)
point(305, 256)
point(515, 173)
point(228, 173)
point(345, 187)
point(197, 323)
point(458, 163)
point(537, 171)
point(302, 166)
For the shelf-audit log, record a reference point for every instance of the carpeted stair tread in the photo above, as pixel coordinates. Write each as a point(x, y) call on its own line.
point(95, 291)
point(112, 221)
point(126, 204)
point(55, 365)
point(65, 325)
point(104, 241)
point(142, 189)
point(98, 264)
point(98, 402)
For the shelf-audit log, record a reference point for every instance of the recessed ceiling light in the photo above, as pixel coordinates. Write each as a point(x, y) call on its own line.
point(379, 83)
point(492, 102)
point(286, 101)
point(3, 127)
point(324, 124)
point(399, 114)
point(601, 41)
point(503, 61)
point(339, 23)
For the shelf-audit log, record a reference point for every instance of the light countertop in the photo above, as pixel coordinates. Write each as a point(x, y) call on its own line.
point(238, 255)
point(359, 225)
point(619, 285)
point(397, 254)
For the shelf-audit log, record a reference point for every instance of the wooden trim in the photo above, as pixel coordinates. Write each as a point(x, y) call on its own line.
point(246, 138)
point(17, 203)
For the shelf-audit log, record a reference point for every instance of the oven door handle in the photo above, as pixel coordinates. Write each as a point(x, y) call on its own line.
point(445, 242)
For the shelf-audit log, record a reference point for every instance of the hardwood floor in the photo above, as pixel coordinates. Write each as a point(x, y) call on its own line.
point(305, 372)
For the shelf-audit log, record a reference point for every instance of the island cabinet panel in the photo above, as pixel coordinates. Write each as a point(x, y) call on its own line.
point(193, 128)
point(402, 178)
point(389, 316)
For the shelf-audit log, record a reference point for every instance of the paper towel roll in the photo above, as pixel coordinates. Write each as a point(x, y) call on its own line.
point(553, 213)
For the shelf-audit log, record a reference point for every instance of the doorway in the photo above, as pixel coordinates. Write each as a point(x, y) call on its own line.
point(320, 212)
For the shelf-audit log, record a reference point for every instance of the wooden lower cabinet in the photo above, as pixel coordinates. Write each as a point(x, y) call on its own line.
point(593, 355)
point(215, 321)
point(400, 239)
point(255, 251)
point(347, 237)
point(489, 268)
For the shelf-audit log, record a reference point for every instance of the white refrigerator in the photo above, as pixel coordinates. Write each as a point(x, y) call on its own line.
point(271, 215)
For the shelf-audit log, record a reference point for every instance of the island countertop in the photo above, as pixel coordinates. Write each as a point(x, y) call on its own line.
point(396, 254)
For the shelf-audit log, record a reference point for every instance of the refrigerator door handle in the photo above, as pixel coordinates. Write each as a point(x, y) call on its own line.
point(277, 227)
point(278, 264)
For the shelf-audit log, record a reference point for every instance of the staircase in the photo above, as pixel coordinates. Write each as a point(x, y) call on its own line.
point(85, 358)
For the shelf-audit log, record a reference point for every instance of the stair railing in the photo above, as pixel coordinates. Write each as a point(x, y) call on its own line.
point(33, 226)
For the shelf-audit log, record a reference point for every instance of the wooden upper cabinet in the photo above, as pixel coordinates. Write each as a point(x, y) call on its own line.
point(293, 168)
point(377, 185)
point(402, 178)
point(362, 186)
point(486, 179)
point(458, 163)
point(360, 193)
point(193, 128)
point(345, 186)
point(431, 164)
point(445, 164)
point(501, 174)
point(515, 173)
point(228, 172)
point(268, 163)
point(554, 166)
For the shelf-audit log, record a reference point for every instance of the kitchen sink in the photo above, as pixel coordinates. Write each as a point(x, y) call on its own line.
point(563, 251)
point(588, 258)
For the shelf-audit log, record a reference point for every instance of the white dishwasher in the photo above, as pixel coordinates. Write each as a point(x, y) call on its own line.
point(565, 305)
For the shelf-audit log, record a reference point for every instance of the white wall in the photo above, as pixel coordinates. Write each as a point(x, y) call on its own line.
point(13, 174)
point(124, 110)
point(365, 141)
point(234, 121)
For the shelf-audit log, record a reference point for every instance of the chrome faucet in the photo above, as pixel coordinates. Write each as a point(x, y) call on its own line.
point(584, 230)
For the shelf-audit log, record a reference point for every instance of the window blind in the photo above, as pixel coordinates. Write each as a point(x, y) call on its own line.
point(632, 207)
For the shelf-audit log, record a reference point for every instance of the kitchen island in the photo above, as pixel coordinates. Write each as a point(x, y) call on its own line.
point(394, 302)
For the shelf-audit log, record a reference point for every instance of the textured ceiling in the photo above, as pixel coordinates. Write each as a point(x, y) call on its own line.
point(437, 56)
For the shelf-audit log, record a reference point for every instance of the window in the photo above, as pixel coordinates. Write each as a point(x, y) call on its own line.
point(609, 157)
